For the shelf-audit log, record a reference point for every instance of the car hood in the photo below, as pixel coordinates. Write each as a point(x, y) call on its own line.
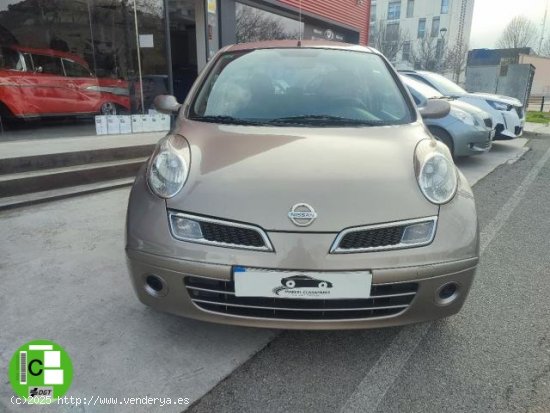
point(350, 176)
point(467, 107)
point(498, 98)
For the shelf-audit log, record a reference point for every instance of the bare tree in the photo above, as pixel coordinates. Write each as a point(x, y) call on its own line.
point(389, 39)
point(520, 32)
point(545, 49)
point(425, 54)
point(255, 25)
point(456, 58)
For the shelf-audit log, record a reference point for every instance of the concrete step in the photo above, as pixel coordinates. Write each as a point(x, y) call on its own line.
point(20, 183)
point(61, 193)
point(16, 164)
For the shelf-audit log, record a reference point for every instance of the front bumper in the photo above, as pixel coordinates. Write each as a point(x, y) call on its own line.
point(471, 140)
point(511, 126)
point(176, 299)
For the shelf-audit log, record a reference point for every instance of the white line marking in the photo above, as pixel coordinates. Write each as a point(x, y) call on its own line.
point(490, 231)
point(374, 386)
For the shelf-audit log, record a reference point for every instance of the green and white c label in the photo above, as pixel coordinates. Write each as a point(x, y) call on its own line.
point(40, 368)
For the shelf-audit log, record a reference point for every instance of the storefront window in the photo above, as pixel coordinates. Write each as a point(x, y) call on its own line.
point(80, 57)
point(255, 25)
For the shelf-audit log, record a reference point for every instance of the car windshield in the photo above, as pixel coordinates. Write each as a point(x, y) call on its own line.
point(302, 87)
point(422, 89)
point(444, 85)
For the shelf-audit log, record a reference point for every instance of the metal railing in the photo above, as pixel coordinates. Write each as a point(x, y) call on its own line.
point(538, 103)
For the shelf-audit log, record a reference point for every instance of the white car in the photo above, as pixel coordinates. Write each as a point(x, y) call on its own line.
point(507, 112)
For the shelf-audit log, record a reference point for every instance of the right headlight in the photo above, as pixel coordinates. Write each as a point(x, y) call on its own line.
point(169, 166)
point(435, 171)
point(499, 105)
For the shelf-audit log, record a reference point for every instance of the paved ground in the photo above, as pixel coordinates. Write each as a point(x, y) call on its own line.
point(477, 167)
point(63, 278)
point(14, 149)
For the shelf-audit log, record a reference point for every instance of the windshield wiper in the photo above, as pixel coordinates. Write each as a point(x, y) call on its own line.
point(323, 120)
point(225, 119)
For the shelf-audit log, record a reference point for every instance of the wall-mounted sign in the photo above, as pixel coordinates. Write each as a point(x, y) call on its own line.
point(327, 34)
point(146, 40)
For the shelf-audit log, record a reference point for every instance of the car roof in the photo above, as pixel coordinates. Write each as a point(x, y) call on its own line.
point(50, 52)
point(280, 44)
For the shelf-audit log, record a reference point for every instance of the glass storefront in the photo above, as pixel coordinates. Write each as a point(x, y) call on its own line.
point(253, 24)
point(62, 62)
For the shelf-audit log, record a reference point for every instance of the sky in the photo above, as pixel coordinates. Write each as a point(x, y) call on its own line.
point(491, 17)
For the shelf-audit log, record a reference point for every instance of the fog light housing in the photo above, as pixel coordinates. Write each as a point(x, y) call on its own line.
point(420, 233)
point(185, 228)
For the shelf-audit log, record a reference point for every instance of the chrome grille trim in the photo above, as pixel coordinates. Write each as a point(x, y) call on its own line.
point(388, 307)
point(268, 247)
point(208, 290)
point(335, 247)
point(217, 296)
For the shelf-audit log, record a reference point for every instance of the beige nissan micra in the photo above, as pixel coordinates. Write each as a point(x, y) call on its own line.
point(301, 189)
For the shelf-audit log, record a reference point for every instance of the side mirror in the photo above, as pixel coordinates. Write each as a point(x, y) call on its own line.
point(435, 109)
point(166, 104)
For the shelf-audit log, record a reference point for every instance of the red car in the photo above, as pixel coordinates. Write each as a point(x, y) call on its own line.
point(44, 82)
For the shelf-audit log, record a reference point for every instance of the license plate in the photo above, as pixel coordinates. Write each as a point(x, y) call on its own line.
point(253, 282)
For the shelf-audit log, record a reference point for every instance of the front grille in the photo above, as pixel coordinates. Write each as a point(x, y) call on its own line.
point(488, 122)
point(219, 233)
point(372, 238)
point(231, 235)
point(218, 296)
point(380, 237)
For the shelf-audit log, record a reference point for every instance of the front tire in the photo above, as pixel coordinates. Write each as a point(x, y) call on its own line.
point(108, 108)
point(444, 137)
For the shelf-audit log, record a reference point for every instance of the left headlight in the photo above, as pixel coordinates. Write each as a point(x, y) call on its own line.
point(169, 166)
point(435, 171)
point(463, 116)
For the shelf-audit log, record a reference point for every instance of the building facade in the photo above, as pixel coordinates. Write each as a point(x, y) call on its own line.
point(142, 48)
point(421, 33)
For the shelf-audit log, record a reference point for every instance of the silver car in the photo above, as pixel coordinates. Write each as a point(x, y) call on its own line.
point(301, 189)
point(508, 113)
point(466, 130)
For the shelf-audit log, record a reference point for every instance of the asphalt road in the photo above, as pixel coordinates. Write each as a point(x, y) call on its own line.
point(494, 356)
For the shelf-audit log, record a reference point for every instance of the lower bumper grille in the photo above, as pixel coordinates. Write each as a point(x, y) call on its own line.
point(218, 296)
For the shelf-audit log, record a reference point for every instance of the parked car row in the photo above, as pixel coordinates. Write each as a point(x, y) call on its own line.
point(507, 112)
point(475, 119)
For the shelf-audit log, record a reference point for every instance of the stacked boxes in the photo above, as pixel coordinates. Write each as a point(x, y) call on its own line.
point(124, 124)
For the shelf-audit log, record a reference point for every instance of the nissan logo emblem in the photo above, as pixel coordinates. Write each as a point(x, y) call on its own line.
point(302, 215)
